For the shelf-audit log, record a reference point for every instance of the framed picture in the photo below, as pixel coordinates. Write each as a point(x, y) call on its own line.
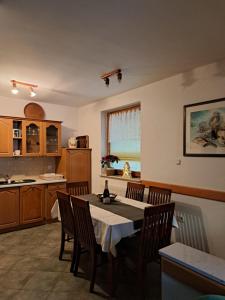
point(204, 128)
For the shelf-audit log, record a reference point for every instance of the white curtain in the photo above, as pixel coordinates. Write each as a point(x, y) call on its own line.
point(124, 134)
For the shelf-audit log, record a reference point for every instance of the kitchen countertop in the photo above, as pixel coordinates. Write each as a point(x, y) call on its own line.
point(198, 261)
point(37, 181)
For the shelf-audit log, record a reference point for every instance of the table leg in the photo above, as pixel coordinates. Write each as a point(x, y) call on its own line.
point(112, 274)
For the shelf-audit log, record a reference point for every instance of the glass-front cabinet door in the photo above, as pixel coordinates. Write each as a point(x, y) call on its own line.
point(52, 138)
point(33, 141)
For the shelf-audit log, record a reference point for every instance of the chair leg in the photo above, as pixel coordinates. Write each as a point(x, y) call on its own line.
point(62, 246)
point(141, 280)
point(77, 258)
point(93, 270)
point(72, 267)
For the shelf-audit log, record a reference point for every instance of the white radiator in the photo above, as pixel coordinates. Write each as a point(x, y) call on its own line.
point(191, 229)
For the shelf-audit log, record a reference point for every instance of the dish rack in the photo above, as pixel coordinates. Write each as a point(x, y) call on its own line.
point(51, 176)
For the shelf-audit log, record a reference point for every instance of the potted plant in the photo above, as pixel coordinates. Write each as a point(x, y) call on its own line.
point(106, 164)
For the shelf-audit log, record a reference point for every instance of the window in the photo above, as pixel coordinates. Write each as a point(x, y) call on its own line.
point(123, 138)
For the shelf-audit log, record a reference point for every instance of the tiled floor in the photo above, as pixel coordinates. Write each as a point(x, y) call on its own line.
point(30, 269)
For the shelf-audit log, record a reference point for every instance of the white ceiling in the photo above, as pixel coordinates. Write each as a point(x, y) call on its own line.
point(65, 45)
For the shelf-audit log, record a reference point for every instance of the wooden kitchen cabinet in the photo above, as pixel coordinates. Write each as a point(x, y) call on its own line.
point(52, 138)
point(6, 137)
point(75, 165)
point(29, 137)
point(9, 208)
point(51, 197)
point(32, 204)
point(32, 132)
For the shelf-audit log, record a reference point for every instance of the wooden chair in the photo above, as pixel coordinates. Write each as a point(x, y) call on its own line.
point(158, 195)
point(86, 236)
point(77, 188)
point(67, 225)
point(155, 234)
point(135, 191)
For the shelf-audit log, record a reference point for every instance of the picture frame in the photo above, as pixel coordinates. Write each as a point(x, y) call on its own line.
point(204, 129)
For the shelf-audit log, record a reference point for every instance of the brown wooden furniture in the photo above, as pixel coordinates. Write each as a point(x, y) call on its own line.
point(77, 188)
point(51, 196)
point(52, 138)
point(29, 137)
point(32, 205)
point(135, 191)
point(188, 190)
point(155, 234)
point(158, 195)
point(27, 205)
point(85, 235)
point(9, 207)
point(82, 141)
point(32, 138)
point(67, 225)
point(6, 148)
point(75, 165)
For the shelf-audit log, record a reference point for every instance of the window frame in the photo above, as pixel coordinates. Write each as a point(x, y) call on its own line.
point(136, 174)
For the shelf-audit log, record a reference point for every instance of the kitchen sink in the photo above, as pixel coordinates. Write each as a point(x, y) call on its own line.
point(17, 181)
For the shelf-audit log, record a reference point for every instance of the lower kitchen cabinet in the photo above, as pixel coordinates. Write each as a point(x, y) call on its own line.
point(9, 208)
point(32, 204)
point(51, 197)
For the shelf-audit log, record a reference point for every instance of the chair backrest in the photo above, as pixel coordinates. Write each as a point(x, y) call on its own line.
point(83, 222)
point(158, 195)
point(156, 230)
point(135, 191)
point(66, 213)
point(77, 188)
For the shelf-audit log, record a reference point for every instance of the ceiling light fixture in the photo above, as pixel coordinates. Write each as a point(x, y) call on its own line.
point(30, 86)
point(32, 93)
point(106, 76)
point(106, 81)
point(14, 89)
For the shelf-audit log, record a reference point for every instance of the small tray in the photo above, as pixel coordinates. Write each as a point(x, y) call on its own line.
point(111, 196)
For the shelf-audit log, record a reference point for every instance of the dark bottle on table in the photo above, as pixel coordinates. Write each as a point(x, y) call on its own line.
point(106, 190)
point(106, 198)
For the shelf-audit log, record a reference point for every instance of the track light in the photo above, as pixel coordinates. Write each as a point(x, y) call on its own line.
point(106, 81)
point(14, 89)
point(30, 86)
point(32, 93)
point(119, 75)
point(106, 76)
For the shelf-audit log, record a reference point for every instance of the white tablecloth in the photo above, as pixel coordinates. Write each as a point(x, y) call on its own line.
point(110, 228)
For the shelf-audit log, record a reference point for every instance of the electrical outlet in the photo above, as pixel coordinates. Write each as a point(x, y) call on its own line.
point(180, 219)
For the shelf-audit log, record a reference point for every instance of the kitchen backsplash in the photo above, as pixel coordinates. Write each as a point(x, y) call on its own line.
point(26, 166)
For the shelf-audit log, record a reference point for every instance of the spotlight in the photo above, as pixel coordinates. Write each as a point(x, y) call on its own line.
point(14, 89)
point(119, 75)
point(29, 86)
point(106, 81)
point(106, 76)
point(32, 93)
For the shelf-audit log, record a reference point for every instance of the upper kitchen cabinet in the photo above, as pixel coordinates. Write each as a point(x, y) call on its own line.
point(29, 137)
point(6, 137)
point(75, 165)
point(52, 138)
point(32, 133)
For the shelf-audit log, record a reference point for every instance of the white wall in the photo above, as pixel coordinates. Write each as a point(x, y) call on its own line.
point(15, 108)
point(162, 140)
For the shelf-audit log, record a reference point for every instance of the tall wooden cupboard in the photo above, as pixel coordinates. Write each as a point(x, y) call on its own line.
point(75, 165)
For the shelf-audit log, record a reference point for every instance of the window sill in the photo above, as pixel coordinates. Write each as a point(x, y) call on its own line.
point(119, 177)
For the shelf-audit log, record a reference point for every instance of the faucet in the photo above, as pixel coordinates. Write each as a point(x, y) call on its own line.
point(7, 178)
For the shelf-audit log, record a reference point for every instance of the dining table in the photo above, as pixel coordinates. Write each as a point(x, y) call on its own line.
point(112, 222)
point(121, 218)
